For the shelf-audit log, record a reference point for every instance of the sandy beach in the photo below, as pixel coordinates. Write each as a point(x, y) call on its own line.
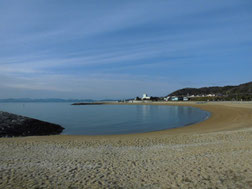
point(215, 153)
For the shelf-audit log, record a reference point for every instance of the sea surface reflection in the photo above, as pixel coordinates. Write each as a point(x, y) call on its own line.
point(108, 119)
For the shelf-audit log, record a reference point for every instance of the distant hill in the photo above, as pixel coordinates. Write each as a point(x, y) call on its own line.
point(51, 100)
point(243, 89)
point(44, 100)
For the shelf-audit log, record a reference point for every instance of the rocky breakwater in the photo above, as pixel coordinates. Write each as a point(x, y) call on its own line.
point(15, 125)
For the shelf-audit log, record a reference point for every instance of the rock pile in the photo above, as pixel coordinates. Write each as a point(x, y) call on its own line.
point(16, 125)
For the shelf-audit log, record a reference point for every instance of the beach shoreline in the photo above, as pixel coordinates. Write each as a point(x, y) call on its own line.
point(215, 153)
point(220, 118)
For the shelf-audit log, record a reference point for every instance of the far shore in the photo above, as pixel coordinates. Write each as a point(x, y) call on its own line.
point(215, 153)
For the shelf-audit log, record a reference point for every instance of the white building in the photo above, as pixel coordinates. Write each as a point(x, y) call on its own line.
point(185, 99)
point(167, 98)
point(210, 95)
point(145, 97)
point(174, 98)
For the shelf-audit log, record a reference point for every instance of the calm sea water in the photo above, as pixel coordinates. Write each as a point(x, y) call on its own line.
point(108, 119)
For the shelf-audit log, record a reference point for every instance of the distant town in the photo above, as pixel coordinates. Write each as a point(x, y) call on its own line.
point(199, 97)
point(242, 92)
point(146, 98)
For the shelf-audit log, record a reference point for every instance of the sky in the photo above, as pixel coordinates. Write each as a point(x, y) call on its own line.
point(122, 49)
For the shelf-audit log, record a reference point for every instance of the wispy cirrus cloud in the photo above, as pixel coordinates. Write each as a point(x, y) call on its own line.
point(71, 49)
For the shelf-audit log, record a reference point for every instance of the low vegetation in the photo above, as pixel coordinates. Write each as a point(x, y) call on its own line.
point(241, 92)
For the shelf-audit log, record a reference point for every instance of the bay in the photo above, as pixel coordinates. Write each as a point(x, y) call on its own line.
point(109, 119)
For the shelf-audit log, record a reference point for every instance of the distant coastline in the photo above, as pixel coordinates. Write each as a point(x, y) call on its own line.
point(52, 100)
point(44, 100)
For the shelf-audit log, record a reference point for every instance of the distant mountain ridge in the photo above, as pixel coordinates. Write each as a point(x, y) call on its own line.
point(244, 89)
point(51, 100)
point(44, 100)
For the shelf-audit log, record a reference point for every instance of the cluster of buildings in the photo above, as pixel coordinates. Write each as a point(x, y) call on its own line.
point(176, 98)
point(202, 95)
point(169, 98)
point(187, 97)
point(147, 98)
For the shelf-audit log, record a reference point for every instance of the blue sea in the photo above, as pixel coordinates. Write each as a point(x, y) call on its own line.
point(108, 119)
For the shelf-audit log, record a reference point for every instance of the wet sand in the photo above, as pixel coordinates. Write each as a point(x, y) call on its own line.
point(216, 153)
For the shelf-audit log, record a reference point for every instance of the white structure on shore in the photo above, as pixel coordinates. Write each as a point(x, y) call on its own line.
point(210, 95)
point(167, 98)
point(145, 97)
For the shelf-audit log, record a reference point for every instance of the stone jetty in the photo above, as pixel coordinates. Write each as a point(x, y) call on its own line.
point(12, 125)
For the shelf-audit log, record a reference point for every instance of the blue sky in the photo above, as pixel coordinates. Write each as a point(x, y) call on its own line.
point(120, 49)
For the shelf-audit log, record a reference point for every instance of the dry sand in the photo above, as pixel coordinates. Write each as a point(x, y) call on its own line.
point(216, 153)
